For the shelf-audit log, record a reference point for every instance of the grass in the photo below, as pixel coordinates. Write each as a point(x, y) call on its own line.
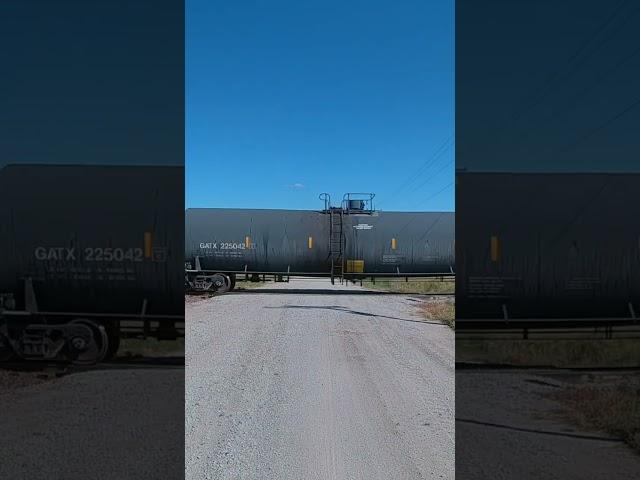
point(551, 352)
point(443, 311)
point(135, 347)
point(615, 410)
point(412, 286)
point(14, 379)
point(246, 285)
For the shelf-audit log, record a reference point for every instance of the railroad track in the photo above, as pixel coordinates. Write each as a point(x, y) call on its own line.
point(579, 328)
point(333, 292)
point(275, 291)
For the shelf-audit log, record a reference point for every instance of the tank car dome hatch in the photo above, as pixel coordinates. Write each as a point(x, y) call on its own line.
point(356, 204)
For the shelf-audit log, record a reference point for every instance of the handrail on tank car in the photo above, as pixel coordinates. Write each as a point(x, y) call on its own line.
point(327, 200)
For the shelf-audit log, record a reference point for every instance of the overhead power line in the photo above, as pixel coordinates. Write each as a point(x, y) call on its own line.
point(570, 64)
point(432, 161)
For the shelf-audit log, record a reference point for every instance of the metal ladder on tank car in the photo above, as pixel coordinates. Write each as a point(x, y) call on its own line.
point(336, 243)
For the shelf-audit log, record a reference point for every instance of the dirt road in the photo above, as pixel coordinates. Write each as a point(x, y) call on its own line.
point(314, 381)
point(123, 423)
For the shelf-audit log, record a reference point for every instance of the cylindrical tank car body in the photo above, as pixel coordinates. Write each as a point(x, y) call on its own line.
point(92, 238)
point(547, 245)
point(298, 241)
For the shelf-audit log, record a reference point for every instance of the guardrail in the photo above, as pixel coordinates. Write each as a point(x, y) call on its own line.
point(445, 275)
point(607, 328)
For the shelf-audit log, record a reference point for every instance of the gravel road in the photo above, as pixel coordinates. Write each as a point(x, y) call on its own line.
point(314, 381)
point(98, 424)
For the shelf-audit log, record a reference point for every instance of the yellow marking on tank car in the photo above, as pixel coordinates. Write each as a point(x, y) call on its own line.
point(310, 242)
point(247, 242)
point(394, 244)
point(495, 248)
point(148, 244)
point(355, 266)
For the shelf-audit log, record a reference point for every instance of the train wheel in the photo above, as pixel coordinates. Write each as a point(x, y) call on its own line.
point(221, 283)
point(232, 281)
point(92, 351)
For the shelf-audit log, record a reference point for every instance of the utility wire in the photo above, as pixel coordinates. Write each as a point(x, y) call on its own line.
point(573, 101)
point(446, 145)
point(541, 92)
point(431, 227)
point(430, 197)
point(424, 201)
point(435, 174)
point(595, 130)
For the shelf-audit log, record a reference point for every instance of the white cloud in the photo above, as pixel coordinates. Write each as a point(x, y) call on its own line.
point(297, 186)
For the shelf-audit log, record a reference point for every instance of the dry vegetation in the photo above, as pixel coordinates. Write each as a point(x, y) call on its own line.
point(11, 380)
point(440, 310)
point(247, 285)
point(614, 409)
point(550, 352)
point(421, 286)
point(191, 298)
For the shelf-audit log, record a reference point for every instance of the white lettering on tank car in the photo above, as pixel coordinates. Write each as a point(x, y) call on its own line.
point(232, 246)
point(226, 246)
point(109, 254)
point(97, 254)
point(55, 253)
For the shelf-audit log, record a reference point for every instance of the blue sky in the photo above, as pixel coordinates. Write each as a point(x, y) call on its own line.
point(81, 83)
point(565, 101)
point(285, 100)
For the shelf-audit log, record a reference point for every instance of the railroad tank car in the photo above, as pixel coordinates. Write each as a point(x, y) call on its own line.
point(102, 243)
point(547, 245)
point(360, 242)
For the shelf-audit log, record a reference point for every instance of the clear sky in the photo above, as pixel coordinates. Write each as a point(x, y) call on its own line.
point(289, 99)
point(563, 101)
point(83, 83)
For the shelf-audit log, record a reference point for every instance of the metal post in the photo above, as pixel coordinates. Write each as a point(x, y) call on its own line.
point(504, 313)
point(146, 324)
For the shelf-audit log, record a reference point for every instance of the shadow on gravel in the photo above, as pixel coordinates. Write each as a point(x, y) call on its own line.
point(540, 431)
point(327, 291)
point(338, 308)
